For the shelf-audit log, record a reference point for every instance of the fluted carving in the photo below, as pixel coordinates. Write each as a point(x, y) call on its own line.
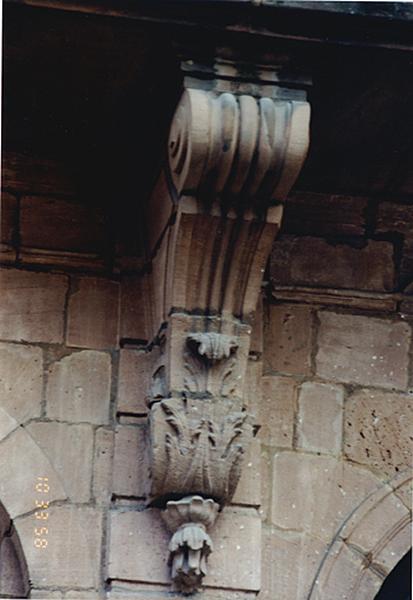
point(232, 159)
point(245, 151)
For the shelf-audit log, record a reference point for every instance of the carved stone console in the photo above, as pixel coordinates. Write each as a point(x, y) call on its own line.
point(232, 159)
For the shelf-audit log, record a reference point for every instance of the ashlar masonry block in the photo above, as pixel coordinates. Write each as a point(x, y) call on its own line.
point(234, 564)
point(21, 462)
point(281, 550)
point(382, 522)
point(8, 227)
point(69, 448)
point(78, 388)
point(135, 368)
point(7, 424)
point(73, 549)
point(130, 469)
point(253, 387)
point(32, 306)
point(316, 214)
point(363, 350)
point(316, 493)
point(320, 417)
point(8, 217)
point(336, 266)
point(277, 410)
point(21, 380)
point(131, 557)
point(93, 314)
point(287, 340)
point(102, 465)
point(236, 560)
point(378, 429)
point(248, 490)
point(53, 223)
point(266, 477)
point(347, 577)
point(134, 298)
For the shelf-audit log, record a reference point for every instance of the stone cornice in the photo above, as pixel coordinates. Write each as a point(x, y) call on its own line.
point(232, 159)
point(349, 23)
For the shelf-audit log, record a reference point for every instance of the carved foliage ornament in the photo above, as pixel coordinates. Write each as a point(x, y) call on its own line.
point(214, 346)
point(190, 545)
point(199, 446)
point(206, 374)
point(230, 155)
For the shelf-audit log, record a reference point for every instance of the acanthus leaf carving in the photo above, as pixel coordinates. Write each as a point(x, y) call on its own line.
point(218, 378)
point(202, 443)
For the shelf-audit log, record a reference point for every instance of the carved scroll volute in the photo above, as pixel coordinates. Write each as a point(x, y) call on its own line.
point(242, 151)
point(232, 160)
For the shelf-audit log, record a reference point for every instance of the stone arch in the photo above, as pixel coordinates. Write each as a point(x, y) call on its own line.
point(368, 545)
point(14, 577)
point(22, 461)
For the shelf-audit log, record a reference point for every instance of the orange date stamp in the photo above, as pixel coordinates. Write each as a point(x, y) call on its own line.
point(41, 515)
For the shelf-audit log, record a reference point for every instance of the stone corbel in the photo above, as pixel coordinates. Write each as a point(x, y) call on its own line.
point(232, 159)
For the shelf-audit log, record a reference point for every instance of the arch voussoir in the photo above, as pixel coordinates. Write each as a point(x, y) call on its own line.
point(368, 545)
point(23, 467)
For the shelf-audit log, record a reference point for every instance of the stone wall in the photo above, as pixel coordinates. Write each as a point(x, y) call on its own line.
point(337, 397)
point(337, 410)
point(322, 508)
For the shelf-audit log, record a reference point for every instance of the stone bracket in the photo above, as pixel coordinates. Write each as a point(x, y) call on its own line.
point(232, 159)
